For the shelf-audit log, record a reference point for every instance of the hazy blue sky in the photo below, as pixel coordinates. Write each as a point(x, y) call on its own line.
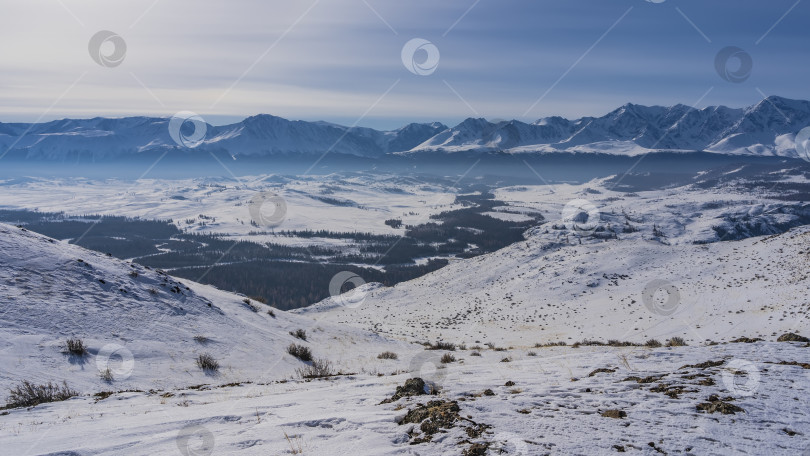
point(340, 60)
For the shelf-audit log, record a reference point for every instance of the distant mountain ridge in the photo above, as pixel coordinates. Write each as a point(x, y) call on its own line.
point(103, 138)
point(768, 128)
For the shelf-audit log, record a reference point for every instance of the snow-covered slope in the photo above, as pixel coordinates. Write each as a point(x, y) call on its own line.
point(543, 402)
point(511, 397)
point(545, 290)
point(146, 326)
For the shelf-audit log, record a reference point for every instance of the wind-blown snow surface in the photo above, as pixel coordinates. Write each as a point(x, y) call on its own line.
point(127, 313)
point(554, 407)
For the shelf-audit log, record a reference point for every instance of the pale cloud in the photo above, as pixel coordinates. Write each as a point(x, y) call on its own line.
point(333, 60)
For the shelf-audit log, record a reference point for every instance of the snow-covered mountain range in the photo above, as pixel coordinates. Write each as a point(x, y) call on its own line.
point(104, 138)
point(767, 128)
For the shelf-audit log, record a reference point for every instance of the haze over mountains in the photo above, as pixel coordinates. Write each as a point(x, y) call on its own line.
point(767, 129)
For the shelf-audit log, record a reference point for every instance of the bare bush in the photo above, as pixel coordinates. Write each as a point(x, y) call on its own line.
point(652, 343)
point(296, 443)
point(319, 368)
point(448, 358)
point(250, 305)
point(676, 342)
point(107, 375)
point(387, 355)
point(75, 346)
point(300, 352)
point(611, 343)
point(27, 394)
point(299, 334)
point(207, 363)
point(551, 344)
point(441, 346)
point(619, 343)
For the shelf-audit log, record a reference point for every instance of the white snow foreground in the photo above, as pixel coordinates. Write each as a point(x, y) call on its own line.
point(551, 406)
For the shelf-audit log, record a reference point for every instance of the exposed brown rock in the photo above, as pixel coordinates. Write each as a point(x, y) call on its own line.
point(613, 413)
point(601, 370)
point(792, 337)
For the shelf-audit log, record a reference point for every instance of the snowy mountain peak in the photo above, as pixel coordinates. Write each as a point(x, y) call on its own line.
point(766, 128)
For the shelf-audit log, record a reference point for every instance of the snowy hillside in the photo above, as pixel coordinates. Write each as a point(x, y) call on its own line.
point(562, 285)
point(146, 326)
point(767, 128)
point(496, 394)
